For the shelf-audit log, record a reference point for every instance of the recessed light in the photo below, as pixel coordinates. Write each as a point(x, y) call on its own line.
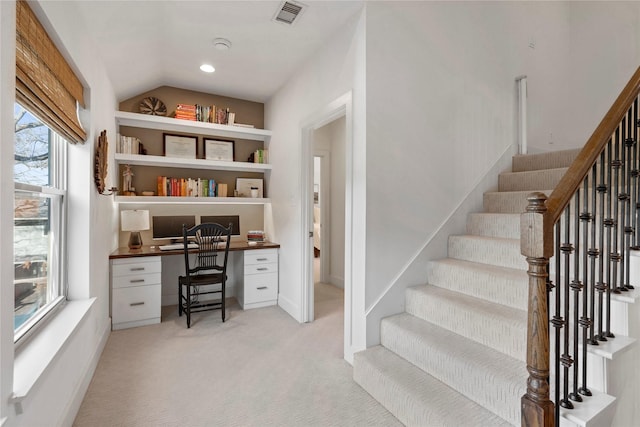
point(222, 44)
point(207, 68)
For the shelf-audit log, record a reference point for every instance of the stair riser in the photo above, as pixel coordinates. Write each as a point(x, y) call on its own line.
point(500, 393)
point(415, 398)
point(506, 226)
point(508, 336)
point(555, 159)
point(500, 252)
point(531, 180)
point(510, 289)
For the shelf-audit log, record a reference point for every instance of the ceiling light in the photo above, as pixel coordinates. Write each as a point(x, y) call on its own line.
point(222, 44)
point(207, 68)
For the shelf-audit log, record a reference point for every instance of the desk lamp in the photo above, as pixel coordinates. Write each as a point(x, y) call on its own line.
point(134, 221)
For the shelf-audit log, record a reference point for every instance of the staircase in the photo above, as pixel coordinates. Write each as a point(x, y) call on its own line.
point(457, 355)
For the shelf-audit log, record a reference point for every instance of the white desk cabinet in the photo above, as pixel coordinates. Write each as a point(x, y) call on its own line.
point(136, 290)
point(260, 287)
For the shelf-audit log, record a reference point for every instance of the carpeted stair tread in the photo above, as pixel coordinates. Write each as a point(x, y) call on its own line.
point(415, 397)
point(501, 285)
point(504, 225)
point(494, 325)
point(487, 250)
point(507, 201)
point(490, 378)
point(549, 160)
point(530, 180)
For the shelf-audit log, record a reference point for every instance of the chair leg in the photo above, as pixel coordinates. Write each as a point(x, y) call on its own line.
point(223, 301)
point(179, 299)
point(188, 306)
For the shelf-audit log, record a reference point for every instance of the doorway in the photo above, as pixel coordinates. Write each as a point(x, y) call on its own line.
point(335, 235)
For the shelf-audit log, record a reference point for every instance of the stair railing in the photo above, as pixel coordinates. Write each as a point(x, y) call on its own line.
point(589, 225)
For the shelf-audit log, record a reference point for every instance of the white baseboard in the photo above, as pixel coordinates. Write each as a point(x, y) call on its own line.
point(290, 307)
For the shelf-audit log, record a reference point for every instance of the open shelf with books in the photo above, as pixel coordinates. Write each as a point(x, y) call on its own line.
point(170, 124)
point(140, 172)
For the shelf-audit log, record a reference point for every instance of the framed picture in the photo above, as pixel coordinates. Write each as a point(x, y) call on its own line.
point(217, 149)
point(185, 147)
point(244, 187)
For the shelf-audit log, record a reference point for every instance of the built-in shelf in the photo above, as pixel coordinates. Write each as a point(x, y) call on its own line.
point(167, 200)
point(167, 124)
point(145, 121)
point(173, 162)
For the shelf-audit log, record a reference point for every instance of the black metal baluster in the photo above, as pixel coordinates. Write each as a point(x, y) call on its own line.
point(558, 323)
point(585, 323)
point(628, 228)
point(608, 224)
point(576, 286)
point(594, 253)
point(623, 199)
point(615, 255)
point(566, 248)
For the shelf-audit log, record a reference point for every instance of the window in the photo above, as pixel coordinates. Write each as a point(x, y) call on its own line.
point(39, 220)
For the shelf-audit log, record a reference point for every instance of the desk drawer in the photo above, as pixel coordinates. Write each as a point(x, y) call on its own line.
point(260, 287)
point(136, 280)
point(261, 256)
point(136, 303)
point(139, 266)
point(260, 268)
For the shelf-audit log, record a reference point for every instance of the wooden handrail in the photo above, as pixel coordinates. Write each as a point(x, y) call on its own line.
point(572, 179)
point(537, 245)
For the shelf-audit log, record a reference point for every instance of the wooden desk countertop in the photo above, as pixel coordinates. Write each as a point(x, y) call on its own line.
point(236, 245)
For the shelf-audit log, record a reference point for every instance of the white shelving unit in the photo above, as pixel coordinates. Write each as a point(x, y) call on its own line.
point(199, 128)
point(145, 121)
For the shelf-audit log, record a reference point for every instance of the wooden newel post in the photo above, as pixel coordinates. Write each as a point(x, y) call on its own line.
point(536, 244)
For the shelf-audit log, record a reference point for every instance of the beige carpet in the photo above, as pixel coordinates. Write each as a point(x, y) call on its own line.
point(259, 368)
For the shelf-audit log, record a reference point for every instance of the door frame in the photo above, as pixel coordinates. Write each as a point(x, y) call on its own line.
point(341, 107)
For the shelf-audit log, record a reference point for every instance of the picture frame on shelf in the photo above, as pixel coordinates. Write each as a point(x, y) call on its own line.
point(180, 146)
point(245, 185)
point(219, 149)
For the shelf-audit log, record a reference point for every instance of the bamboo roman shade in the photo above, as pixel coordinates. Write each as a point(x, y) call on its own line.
point(45, 83)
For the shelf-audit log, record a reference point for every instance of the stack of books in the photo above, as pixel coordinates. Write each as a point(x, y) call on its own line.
point(255, 236)
point(186, 112)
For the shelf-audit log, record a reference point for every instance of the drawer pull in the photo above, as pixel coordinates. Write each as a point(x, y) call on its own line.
point(133, 304)
point(137, 269)
point(262, 269)
point(261, 288)
point(136, 281)
point(261, 259)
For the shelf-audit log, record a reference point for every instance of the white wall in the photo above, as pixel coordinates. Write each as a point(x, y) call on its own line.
point(335, 70)
point(440, 113)
point(604, 54)
point(92, 224)
point(441, 110)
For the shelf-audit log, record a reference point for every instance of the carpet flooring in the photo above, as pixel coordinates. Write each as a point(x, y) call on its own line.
point(259, 368)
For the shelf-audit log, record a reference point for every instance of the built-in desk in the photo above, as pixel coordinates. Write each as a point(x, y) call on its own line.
point(136, 280)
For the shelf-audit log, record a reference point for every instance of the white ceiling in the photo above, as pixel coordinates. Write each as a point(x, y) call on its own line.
point(146, 44)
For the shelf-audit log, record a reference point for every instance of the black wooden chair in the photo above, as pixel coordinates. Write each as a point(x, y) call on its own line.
point(205, 266)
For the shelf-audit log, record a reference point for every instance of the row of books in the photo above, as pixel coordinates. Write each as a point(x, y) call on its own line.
point(190, 187)
point(128, 144)
point(255, 236)
point(203, 113)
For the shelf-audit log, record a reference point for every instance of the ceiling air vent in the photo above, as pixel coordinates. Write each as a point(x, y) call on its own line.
point(288, 12)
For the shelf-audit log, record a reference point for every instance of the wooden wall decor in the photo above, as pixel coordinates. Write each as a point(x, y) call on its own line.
point(100, 167)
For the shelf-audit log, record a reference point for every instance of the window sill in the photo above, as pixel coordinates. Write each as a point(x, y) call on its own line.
point(36, 355)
